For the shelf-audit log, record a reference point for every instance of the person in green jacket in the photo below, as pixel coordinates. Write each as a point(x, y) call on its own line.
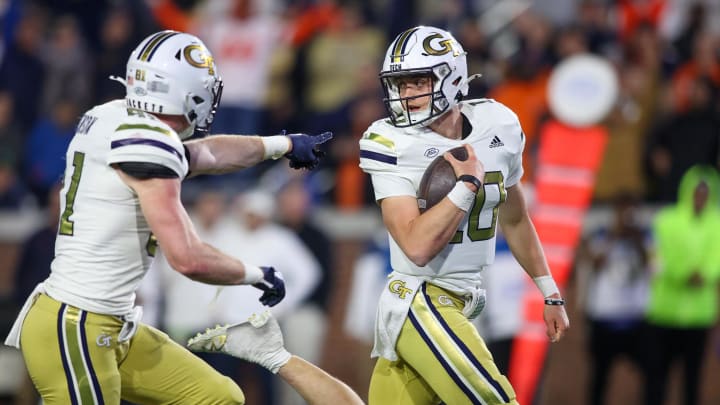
point(683, 305)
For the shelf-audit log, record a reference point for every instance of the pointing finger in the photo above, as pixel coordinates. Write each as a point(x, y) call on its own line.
point(324, 137)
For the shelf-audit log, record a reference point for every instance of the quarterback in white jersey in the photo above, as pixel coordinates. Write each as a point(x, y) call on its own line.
point(397, 158)
point(429, 351)
point(81, 337)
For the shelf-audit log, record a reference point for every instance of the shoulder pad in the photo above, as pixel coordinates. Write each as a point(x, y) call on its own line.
point(148, 140)
point(378, 148)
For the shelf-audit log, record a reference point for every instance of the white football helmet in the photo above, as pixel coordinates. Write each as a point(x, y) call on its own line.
point(424, 51)
point(173, 73)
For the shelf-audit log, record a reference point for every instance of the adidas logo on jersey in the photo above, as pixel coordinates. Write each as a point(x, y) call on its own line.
point(496, 142)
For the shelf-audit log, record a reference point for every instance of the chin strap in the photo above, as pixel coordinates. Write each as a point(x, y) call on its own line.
point(118, 79)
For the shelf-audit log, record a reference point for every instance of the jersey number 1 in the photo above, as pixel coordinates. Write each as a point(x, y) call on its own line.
point(66, 225)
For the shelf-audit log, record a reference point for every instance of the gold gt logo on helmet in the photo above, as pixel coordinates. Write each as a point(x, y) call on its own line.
point(199, 57)
point(446, 46)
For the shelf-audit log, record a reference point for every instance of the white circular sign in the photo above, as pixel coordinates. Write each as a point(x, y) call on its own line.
point(582, 90)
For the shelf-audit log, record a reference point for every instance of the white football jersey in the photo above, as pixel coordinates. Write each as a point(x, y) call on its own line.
point(396, 159)
point(104, 245)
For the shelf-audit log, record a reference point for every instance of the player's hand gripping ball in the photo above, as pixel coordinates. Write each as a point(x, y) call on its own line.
point(439, 178)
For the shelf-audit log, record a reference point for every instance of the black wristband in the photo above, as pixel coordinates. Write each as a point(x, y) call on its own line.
point(471, 179)
point(554, 301)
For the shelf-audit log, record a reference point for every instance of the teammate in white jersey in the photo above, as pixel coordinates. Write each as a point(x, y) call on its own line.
point(80, 336)
point(429, 351)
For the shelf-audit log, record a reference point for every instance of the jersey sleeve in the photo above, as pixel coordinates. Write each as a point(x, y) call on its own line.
point(509, 124)
point(379, 158)
point(515, 171)
point(148, 142)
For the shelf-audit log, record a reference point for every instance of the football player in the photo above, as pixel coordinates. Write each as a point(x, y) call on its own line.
point(428, 350)
point(81, 338)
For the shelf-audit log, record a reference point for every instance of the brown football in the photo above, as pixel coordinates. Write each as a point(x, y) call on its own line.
point(438, 179)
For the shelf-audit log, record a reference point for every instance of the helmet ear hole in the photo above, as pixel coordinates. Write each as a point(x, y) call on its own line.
point(198, 99)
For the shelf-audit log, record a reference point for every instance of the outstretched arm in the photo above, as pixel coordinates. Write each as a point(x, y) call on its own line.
point(315, 385)
point(525, 246)
point(218, 154)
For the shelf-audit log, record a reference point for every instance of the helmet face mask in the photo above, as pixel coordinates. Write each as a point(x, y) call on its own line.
point(424, 51)
point(173, 73)
point(398, 106)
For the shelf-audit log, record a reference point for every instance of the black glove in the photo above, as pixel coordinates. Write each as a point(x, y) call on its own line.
point(305, 153)
point(273, 286)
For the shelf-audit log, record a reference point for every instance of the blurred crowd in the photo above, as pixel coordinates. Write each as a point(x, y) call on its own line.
point(311, 66)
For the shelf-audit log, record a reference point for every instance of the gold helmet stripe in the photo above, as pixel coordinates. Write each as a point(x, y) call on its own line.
point(160, 43)
point(150, 47)
point(148, 43)
point(400, 44)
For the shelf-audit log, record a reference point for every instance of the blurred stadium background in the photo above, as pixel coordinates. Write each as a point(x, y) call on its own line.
point(312, 65)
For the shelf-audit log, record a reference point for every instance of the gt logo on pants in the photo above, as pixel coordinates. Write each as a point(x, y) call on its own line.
point(398, 287)
point(103, 340)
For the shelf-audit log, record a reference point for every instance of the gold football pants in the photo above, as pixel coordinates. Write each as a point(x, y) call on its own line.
point(73, 357)
point(441, 358)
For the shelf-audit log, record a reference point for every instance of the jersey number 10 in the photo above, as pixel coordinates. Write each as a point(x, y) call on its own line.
point(474, 230)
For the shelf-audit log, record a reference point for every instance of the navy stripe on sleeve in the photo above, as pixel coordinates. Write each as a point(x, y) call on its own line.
point(141, 141)
point(380, 157)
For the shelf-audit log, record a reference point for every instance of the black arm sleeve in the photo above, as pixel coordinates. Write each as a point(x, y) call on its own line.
point(145, 170)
